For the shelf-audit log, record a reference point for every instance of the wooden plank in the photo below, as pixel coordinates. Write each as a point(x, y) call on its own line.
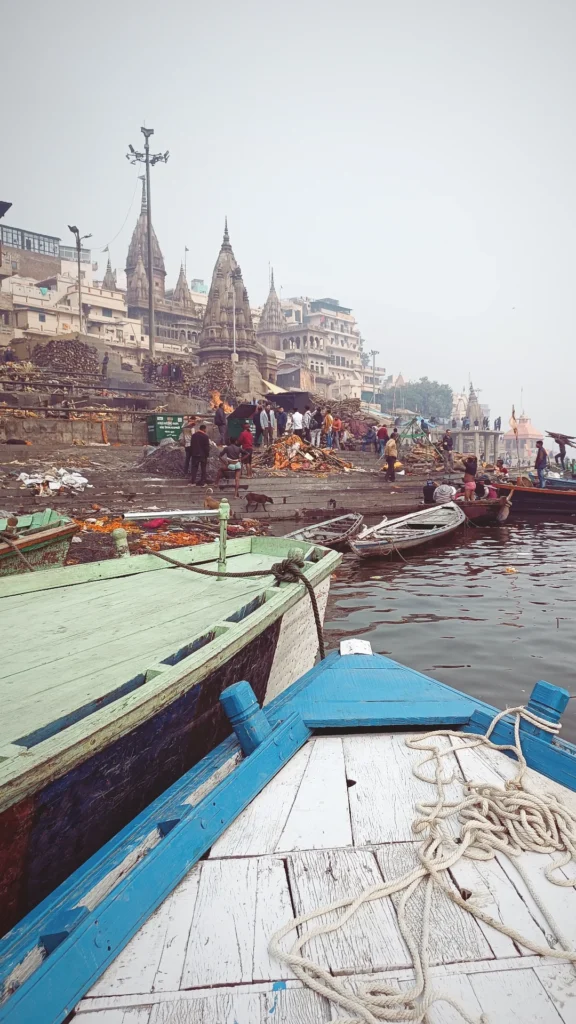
point(320, 816)
point(457, 987)
point(517, 997)
point(295, 1006)
point(134, 1015)
point(231, 1008)
point(455, 935)
point(258, 829)
point(273, 905)
point(501, 900)
point(153, 960)
point(559, 980)
point(371, 940)
point(221, 941)
point(384, 797)
point(116, 568)
point(560, 902)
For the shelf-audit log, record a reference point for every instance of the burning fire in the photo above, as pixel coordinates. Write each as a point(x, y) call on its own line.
point(215, 402)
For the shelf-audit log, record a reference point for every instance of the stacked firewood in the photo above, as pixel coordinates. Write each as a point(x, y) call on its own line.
point(67, 354)
point(293, 453)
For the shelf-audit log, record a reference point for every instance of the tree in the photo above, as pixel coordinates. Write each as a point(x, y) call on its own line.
point(426, 397)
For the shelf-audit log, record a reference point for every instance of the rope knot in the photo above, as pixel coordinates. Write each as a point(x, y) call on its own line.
point(289, 570)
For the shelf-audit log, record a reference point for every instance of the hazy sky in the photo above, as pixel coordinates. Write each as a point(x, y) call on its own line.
point(414, 159)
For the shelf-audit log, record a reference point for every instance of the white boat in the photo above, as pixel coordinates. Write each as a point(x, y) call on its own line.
point(332, 533)
point(375, 852)
point(408, 531)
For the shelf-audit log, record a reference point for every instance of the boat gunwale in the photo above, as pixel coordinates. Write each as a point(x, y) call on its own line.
point(25, 770)
point(357, 517)
point(36, 539)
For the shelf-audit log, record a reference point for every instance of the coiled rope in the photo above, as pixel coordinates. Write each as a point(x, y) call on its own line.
point(289, 570)
point(493, 819)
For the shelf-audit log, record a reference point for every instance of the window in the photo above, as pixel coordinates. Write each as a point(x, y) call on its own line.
point(42, 318)
point(106, 312)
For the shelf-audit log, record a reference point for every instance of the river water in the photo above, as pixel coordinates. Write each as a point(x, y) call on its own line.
point(454, 613)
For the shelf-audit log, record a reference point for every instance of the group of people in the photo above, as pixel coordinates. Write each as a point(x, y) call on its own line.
point(316, 426)
point(485, 424)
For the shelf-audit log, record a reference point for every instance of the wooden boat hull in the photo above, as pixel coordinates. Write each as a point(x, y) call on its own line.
point(67, 788)
point(487, 513)
point(535, 500)
point(415, 530)
point(46, 549)
point(329, 534)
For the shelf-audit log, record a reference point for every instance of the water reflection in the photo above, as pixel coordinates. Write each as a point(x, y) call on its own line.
point(456, 614)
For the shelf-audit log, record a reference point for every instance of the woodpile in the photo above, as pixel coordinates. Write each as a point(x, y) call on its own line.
point(297, 455)
point(67, 354)
point(200, 381)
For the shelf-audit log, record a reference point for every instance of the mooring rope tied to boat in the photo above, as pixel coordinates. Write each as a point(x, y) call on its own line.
point(289, 570)
point(508, 820)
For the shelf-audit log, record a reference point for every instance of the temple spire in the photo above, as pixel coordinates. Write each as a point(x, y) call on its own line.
point(226, 238)
point(109, 280)
point(144, 203)
point(182, 293)
point(272, 320)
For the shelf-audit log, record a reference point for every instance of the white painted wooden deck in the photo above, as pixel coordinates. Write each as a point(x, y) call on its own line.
point(336, 819)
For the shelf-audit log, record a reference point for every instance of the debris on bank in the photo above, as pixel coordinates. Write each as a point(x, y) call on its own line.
point(293, 453)
point(54, 481)
point(169, 459)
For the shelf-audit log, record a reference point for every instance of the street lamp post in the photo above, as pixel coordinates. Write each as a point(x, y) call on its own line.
point(149, 160)
point(373, 353)
point(79, 239)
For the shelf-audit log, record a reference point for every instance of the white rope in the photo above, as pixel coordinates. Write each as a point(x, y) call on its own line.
point(493, 819)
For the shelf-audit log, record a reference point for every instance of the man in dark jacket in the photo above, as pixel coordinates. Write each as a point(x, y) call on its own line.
point(199, 451)
point(447, 446)
point(281, 421)
point(221, 422)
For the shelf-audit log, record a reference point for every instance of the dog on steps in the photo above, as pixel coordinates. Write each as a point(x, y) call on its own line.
point(254, 499)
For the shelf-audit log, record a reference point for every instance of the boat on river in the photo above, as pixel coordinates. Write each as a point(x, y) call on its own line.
point(290, 820)
point(409, 531)
point(332, 533)
point(487, 511)
point(109, 683)
point(557, 497)
point(37, 541)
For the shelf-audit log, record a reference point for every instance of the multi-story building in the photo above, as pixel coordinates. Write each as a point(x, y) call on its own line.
point(37, 256)
point(323, 335)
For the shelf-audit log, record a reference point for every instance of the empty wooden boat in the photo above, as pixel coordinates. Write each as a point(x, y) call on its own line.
point(110, 680)
point(283, 827)
point(333, 533)
point(37, 541)
point(409, 531)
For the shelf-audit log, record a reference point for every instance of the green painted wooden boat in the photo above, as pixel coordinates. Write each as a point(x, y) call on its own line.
point(43, 540)
point(110, 680)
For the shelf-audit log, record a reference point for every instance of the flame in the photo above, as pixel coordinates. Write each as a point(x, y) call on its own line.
point(215, 402)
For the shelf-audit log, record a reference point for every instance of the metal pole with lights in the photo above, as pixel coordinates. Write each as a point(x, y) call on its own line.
point(149, 160)
point(79, 239)
point(373, 353)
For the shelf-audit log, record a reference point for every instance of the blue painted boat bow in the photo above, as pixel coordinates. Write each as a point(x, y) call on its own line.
point(52, 957)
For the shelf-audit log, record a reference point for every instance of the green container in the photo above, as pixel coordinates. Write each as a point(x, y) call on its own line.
point(161, 426)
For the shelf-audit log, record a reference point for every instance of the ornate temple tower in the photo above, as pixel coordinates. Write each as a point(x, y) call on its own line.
point(109, 280)
point(272, 322)
point(473, 411)
point(227, 294)
point(138, 247)
point(182, 293)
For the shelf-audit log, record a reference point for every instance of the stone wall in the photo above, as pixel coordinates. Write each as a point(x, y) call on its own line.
point(45, 430)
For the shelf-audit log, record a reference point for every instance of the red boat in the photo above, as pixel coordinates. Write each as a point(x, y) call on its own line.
point(487, 511)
